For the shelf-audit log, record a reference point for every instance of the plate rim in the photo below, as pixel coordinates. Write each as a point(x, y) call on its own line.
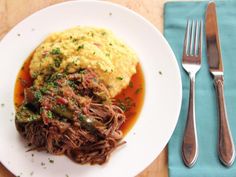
point(144, 20)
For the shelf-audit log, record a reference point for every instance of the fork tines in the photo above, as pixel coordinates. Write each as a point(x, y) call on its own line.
point(193, 40)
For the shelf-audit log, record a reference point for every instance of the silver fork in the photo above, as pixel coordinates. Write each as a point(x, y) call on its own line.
point(191, 62)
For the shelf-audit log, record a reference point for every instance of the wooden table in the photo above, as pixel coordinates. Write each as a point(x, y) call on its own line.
point(13, 11)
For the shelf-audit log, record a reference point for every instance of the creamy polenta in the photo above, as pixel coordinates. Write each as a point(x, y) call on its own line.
point(86, 47)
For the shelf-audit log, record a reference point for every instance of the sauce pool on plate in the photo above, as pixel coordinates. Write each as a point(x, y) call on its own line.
point(130, 100)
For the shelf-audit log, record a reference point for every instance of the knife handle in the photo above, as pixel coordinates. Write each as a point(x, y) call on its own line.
point(190, 142)
point(226, 150)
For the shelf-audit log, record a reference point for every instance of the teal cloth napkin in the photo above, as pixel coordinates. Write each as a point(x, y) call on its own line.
point(175, 18)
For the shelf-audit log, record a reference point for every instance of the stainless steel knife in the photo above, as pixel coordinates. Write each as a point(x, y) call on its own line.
point(226, 150)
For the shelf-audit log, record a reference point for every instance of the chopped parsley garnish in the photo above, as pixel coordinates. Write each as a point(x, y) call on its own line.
point(119, 78)
point(131, 85)
point(34, 75)
point(43, 89)
point(123, 107)
point(72, 84)
point(103, 33)
point(80, 47)
point(50, 160)
point(56, 51)
point(52, 84)
point(82, 71)
point(32, 117)
point(55, 77)
point(110, 44)
point(38, 95)
point(63, 108)
point(138, 90)
point(75, 61)
point(81, 117)
point(57, 62)
point(94, 53)
point(126, 104)
point(49, 113)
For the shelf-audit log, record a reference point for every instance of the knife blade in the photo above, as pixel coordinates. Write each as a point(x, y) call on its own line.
point(226, 150)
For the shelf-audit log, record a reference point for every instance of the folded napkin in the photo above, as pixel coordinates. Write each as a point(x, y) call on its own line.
point(175, 18)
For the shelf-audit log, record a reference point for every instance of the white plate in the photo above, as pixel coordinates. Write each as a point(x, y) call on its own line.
point(162, 98)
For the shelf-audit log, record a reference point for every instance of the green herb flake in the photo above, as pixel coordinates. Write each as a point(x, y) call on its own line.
point(49, 113)
point(43, 89)
point(94, 53)
point(81, 117)
point(82, 71)
point(34, 75)
point(138, 90)
point(103, 33)
point(56, 51)
point(63, 108)
point(52, 84)
point(74, 40)
point(57, 62)
point(123, 107)
point(110, 44)
point(119, 78)
point(80, 47)
point(72, 84)
point(131, 84)
point(2, 105)
point(50, 160)
point(38, 95)
point(32, 117)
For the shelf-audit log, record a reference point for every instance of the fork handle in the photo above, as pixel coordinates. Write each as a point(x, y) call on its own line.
point(190, 142)
point(226, 149)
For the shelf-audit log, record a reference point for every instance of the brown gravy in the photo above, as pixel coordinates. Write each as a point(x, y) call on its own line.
point(131, 98)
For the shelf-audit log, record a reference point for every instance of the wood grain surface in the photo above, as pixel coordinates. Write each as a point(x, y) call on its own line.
point(13, 11)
